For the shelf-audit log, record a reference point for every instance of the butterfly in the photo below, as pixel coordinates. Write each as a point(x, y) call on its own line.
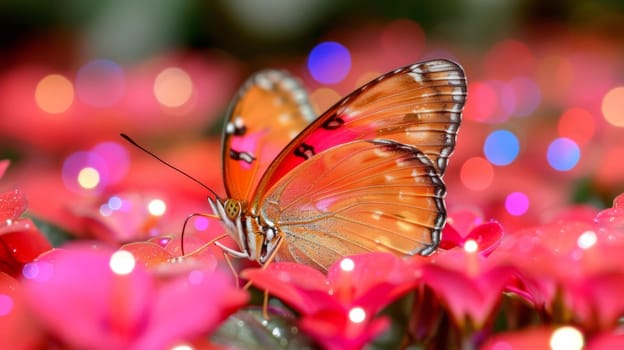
point(364, 176)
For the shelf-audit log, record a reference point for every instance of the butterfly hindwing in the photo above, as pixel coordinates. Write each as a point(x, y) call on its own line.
point(269, 111)
point(361, 196)
point(417, 105)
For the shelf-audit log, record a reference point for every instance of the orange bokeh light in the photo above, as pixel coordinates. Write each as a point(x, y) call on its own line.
point(577, 124)
point(482, 102)
point(477, 173)
point(323, 98)
point(173, 87)
point(613, 106)
point(54, 94)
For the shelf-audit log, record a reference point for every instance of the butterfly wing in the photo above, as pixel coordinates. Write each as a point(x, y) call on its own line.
point(357, 197)
point(418, 105)
point(269, 111)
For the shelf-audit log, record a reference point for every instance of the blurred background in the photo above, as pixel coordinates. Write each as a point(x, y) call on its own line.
point(542, 130)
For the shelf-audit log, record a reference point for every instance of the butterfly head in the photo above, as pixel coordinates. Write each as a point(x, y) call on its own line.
point(230, 211)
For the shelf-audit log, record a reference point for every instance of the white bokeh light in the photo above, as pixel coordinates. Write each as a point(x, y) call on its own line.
point(471, 246)
point(357, 315)
point(122, 262)
point(157, 207)
point(567, 338)
point(347, 264)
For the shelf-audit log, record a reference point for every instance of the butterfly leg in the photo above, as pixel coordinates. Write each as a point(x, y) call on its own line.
point(226, 256)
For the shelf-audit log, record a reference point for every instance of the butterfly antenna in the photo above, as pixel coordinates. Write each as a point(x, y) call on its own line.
point(134, 143)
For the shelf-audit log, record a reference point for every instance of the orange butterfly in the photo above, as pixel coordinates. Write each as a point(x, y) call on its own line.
point(364, 176)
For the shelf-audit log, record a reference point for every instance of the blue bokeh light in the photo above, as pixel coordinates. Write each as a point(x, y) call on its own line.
point(100, 83)
point(329, 62)
point(563, 154)
point(501, 147)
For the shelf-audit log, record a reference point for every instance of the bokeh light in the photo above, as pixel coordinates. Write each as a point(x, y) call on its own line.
point(88, 178)
point(122, 262)
point(329, 62)
point(577, 124)
point(173, 87)
point(567, 338)
point(357, 315)
point(54, 94)
point(183, 347)
point(613, 106)
point(482, 103)
point(563, 154)
point(116, 157)
point(347, 264)
point(201, 223)
point(501, 147)
point(471, 246)
point(520, 97)
point(40, 271)
point(6, 304)
point(157, 207)
point(517, 203)
point(477, 173)
point(115, 202)
point(323, 98)
point(100, 83)
point(84, 170)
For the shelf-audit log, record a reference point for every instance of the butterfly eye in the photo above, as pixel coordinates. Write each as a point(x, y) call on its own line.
point(232, 208)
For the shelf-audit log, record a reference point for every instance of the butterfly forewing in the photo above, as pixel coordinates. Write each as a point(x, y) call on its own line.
point(357, 197)
point(269, 111)
point(418, 105)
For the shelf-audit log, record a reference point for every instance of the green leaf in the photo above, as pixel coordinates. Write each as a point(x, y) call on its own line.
point(56, 235)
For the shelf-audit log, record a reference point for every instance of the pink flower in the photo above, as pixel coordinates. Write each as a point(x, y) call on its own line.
point(572, 269)
point(339, 310)
point(99, 299)
point(469, 286)
point(535, 338)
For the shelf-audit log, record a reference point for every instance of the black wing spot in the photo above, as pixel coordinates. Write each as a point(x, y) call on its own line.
point(304, 151)
point(236, 129)
point(244, 156)
point(240, 130)
point(333, 123)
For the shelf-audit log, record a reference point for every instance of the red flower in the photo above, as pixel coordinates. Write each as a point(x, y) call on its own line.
point(339, 310)
point(467, 226)
point(18, 330)
point(99, 299)
point(20, 241)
